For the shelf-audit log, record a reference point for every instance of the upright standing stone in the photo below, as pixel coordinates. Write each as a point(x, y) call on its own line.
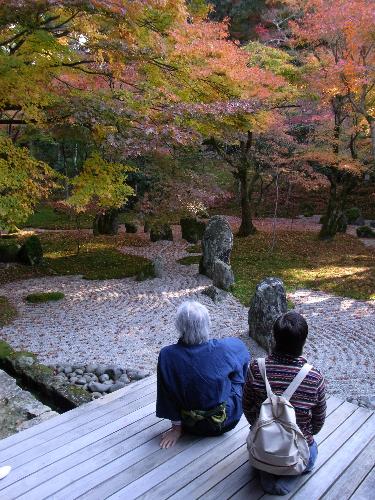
point(268, 303)
point(223, 276)
point(217, 243)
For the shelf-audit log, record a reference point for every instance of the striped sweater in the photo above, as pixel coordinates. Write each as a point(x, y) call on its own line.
point(309, 400)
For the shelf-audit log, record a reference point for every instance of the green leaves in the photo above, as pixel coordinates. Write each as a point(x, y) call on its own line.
point(101, 182)
point(24, 181)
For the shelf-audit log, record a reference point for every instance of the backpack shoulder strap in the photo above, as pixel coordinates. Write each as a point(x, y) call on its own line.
point(296, 382)
point(262, 369)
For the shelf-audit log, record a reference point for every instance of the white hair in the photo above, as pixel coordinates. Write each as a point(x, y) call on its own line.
point(193, 323)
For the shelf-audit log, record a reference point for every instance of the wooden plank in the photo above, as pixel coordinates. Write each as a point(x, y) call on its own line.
point(67, 431)
point(346, 486)
point(162, 469)
point(252, 491)
point(329, 446)
point(332, 426)
point(63, 458)
point(124, 468)
point(366, 489)
point(339, 461)
point(164, 488)
point(231, 484)
point(180, 484)
point(72, 414)
point(72, 482)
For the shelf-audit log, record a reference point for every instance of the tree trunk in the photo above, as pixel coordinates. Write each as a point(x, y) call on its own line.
point(371, 122)
point(106, 223)
point(247, 227)
point(334, 220)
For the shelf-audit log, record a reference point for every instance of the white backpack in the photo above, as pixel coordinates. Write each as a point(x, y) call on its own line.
point(275, 442)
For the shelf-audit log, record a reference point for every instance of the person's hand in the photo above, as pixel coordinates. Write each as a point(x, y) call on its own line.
point(170, 438)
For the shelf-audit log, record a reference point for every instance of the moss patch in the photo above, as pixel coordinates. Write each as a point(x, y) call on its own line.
point(99, 257)
point(5, 350)
point(37, 298)
point(7, 311)
point(191, 259)
point(194, 248)
point(343, 266)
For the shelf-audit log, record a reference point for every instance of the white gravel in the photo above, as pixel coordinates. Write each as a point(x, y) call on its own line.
point(125, 322)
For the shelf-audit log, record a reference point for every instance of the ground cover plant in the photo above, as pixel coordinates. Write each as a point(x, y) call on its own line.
point(343, 266)
point(99, 257)
point(40, 297)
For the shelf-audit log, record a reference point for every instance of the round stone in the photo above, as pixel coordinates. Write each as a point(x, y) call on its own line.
point(103, 378)
point(124, 378)
point(79, 371)
point(117, 386)
point(99, 370)
point(91, 368)
point(97, 387)
point(68, 369)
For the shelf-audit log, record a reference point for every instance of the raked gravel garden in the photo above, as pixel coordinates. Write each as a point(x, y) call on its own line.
point(124, 323)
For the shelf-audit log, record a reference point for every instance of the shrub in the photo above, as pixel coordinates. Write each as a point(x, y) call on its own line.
point(31, 252)
point(365, 232)
point(161, 232)
point(37, 298)
point(307, 209)
point(131, 227)
point(192, 229)
point(352, 214)
point(9, 251)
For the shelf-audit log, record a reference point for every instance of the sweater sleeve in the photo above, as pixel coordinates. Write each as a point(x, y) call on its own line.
point(166, 406)
point(319, 410)
point(248, 399)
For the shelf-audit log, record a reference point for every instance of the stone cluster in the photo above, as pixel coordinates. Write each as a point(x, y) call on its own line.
point(363, 401)
point(98, 379)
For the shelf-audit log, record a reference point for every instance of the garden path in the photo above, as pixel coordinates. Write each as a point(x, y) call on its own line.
point(127, 322)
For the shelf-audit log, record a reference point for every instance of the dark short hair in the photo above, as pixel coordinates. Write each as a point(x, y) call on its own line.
point(290, 332)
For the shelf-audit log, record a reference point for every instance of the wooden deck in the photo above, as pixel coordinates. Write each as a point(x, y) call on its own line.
point(110, 449)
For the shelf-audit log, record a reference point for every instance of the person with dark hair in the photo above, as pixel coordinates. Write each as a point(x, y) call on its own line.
point(308, 400)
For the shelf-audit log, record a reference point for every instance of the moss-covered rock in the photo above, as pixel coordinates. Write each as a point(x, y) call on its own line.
point(5, 350)
point(31, 252)
point(41, 378)
point(365, 232)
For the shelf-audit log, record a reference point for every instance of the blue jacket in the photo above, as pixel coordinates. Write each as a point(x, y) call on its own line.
point(199, 377)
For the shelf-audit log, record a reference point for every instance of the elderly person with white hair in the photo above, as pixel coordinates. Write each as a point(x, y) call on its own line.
point(200, 379)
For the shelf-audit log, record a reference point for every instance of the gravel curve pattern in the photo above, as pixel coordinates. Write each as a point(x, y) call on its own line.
point(125, 322)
